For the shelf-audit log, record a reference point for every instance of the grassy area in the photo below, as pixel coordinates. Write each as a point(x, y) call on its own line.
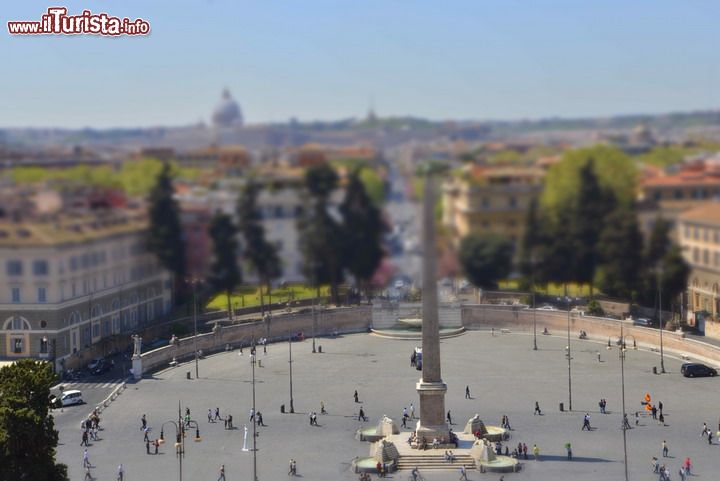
point(574, 290)
point(248, 296)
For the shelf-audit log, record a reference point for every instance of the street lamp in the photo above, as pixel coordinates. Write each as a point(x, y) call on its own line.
point(567, 299)
point(622, 380)
point(180, 437)
point(532, 262)
point(254, 420)
point(662, 357)
point(194, 281)
point(292, 405)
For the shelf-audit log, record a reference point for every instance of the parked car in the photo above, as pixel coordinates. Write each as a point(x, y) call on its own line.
point(695, 369)
point(101, 367)
point(642, 321)
point(94, 363)
point(547, 308)
point(69, 398)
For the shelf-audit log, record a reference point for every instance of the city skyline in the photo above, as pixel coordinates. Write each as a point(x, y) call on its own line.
point(323, 61)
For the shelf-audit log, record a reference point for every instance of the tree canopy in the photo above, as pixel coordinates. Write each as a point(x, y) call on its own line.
point(486, 259)
point(28, 438)
point(225, 273)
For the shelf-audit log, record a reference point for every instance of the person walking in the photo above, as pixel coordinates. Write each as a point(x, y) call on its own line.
point(120, 472)
point(144, 422)
point(252, 414)
point(665, 449)
point(626, 423)
point(654, 410)
point(84, 439)
point(710, 436)
point(655, 465)
point(449, 418)
point(704, 430)
point(537, 409)
point(322, 408)
point(217, 414)
point(412, 411)
point(586, 422)
point(568, 448)
point(147, 446)
point(660, 407)
point(146, 431)
point(463, 473)
point(525, 450)
point(156, 443)
point(536, 452)
point(222, 473)
point(361, 415)
point(260, 421)
point(88, 475)
point(210, 416)
point(467, 392)
point(86, 459)
point(356, 396)
point(682, 473)
point(293, 468)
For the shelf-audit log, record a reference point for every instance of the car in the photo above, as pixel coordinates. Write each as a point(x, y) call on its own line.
point(547, 308)
point(101, 367)
point(71, 397)
point(643, 322)
point(695, 369)
point(94, 363)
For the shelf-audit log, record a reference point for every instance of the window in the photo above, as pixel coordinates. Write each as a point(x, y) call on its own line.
point(706, 257)
point(41, 294)
point(96, 329)
point(679, 194)
point(17, 345)
point(657, 195)
point(19, 324)
point(43, 345)
point(695, 254)
point(73, 263)
point(106, 327)
point(15, 294)
point(14, 267)
point(40, 267)
point(73, 289)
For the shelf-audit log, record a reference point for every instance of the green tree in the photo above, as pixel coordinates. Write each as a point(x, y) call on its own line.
point(621, 251)
point(486, 259)
point(530, 244)
point(321, 241)
point(263, 255)
point(28, 438)
point(165, 233)
point(556, 250)
point(362, 231)
point(225, 274)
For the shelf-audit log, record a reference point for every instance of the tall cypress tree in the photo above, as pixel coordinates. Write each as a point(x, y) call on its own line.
point(620, 249)
point(262, 254)
point(165, 232)
point(321, 240)
point(663, 260)
point(225, 275)
point(362, 231)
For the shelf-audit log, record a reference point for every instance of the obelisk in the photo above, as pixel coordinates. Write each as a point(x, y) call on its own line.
point(431, 387)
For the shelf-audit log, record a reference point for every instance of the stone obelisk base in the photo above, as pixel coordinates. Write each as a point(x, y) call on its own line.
point(432, 412)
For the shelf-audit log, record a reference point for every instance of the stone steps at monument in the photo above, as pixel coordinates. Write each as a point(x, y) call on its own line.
point(434, 462)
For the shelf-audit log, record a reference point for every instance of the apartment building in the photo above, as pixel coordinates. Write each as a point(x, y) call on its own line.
point(490, 199)
point(699, 232)
point(73, 280)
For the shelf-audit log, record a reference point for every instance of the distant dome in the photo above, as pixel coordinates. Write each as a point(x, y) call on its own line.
point(227, 112)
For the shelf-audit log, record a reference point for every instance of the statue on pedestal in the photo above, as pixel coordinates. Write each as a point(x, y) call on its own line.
point(137, 348)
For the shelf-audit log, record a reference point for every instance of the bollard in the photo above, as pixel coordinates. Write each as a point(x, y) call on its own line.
point(562, 407)
point(187, 374)
point(654, 369)
point(319, 348)
point(282, 409)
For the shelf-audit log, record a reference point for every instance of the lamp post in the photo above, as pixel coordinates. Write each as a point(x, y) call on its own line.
point(532, 262)
point(180, 437)
point(194, 281)
point(292, 405)
point(622, 380)
point(567, 299)
point(254, 420)
point(662, 357)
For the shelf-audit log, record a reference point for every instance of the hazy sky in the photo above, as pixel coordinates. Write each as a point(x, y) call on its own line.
point(326, 59)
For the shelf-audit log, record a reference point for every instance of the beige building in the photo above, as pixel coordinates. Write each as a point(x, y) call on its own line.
point(490, 199)
point(699, 232)
point(73, 281)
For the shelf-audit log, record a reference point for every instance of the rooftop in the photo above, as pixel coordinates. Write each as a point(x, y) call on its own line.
point(707, 213)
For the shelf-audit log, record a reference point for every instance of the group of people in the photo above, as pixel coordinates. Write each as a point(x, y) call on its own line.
point(663, 471)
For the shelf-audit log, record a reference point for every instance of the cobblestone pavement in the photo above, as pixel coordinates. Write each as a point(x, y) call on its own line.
point(505, 377)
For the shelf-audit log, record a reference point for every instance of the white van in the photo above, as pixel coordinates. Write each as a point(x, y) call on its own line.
point(69, 398)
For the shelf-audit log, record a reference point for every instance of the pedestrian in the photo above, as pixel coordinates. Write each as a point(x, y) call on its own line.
point(322, 408)
point(660, 406)
point(661, 420)
point(626, 423)
point(665, 449)
point(654, 410)
point(229, 421)
point(412, 411)
point(463, 473)
point(222, 473)
point(525, 450)
point(146, 431)
point(467, 392)
point(682, 473)
point(405, 412)
point(704, 430)
point(252, 414)
point(637, 418)
point(217, 414)
point(602, 408)
point(293, 468)
point(687, 465)
point(537, 409)
point(260, 419)
point(586, 422)
point(144, 422)
point(568, 447)
point(311, 418)
point(361, 415)
point(710, 436)
point(120, 472)
point(210, 416)
point(225, 423)
point(86, 459)
point(404, 421)
point(88, 476)
point(156, 443)
point(147, 446)
point(449, 418)
point(536, 452)
point(356, 396)
point(655, 465)
point(84, 439)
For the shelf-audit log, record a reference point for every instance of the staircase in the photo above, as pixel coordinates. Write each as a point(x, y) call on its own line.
point(434, 462)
